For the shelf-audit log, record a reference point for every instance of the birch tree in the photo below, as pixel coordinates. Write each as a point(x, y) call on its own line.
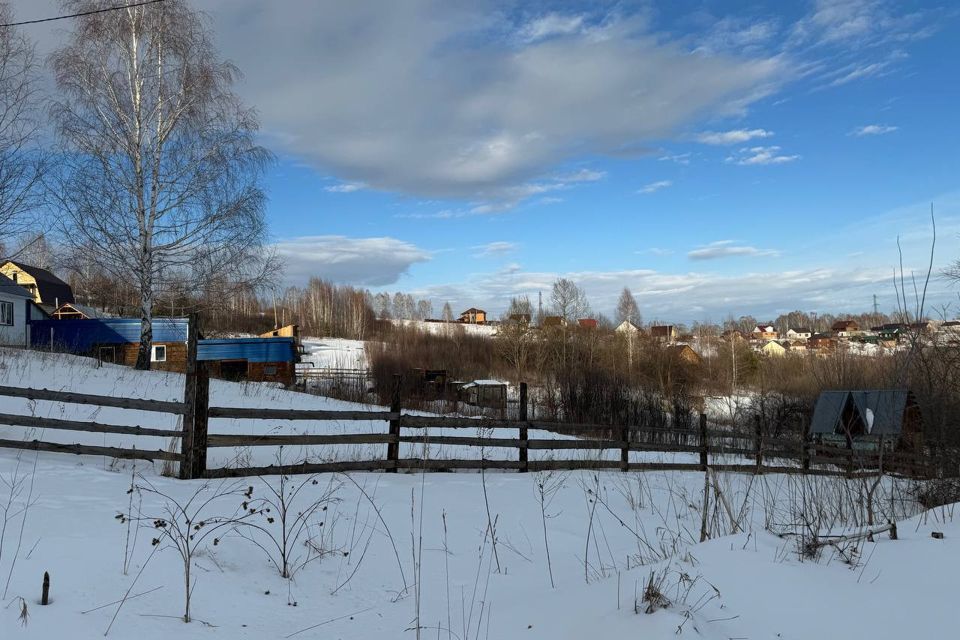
point(21, 161)
point(160, 174)
point(627, 308)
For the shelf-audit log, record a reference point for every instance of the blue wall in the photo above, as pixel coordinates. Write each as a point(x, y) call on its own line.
point(81, 336)
point(249, 349)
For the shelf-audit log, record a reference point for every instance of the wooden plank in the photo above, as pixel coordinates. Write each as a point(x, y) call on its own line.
point(311, 467)
point(273, 440)
point(464, 441)
point(299, 414)
point(76, 425)
point(88, 450)
point(449, 465)
point(159, 406)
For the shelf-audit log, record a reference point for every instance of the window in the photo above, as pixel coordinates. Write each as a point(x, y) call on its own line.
point(270, 370)
point(6, 313)
point(159, 353)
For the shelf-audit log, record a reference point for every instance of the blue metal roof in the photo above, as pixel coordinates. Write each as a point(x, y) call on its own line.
point(249, 349)
point(81, 336)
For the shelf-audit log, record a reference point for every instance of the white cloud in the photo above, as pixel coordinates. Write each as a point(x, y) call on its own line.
point(656, 251)
point(495, 249)
point(470, 102)
point(345, 187)
point(728, 249)
point(653, 187)
point(679, 158)
point(551, 24)
point(370, 262)
point(735, 136)
point(872, 130)
point(761, 156)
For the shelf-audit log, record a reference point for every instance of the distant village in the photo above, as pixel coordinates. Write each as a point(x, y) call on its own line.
point(764, 338)
point(38, 310)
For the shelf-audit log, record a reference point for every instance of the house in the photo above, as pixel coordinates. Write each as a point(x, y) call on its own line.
point(684, 353)
point(117, 340)
point(890, 331)
point(587, 323)
point(731, 335)
point(47, 290)
point(799, 333)
point(773, 349)
point(491, 394)
point(822, 342)
point(16, 310)
point(853, 416)
point(628, 328)
point(663, 332)
point(74, 311)
point(764, 332)
point(473, 316)
point(553, 321)
point(845, 328)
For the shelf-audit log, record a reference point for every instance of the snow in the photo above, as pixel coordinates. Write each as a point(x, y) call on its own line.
point(334, 353)
point(607, 534)
point(484, 330)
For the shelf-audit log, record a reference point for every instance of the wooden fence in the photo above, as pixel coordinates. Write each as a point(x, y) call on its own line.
point(721, 449)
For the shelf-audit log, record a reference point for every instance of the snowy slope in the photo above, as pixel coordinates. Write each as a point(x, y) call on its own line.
point(606, 533)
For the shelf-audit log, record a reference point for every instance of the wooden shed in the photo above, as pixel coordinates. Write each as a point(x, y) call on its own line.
point(491, 394)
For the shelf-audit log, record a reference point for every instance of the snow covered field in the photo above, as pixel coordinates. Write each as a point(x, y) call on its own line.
point(412, 550)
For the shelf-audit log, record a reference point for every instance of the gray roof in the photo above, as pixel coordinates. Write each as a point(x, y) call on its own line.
point(11, 288)
point(881, 410)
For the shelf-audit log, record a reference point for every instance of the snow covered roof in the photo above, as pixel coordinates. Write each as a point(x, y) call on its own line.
point(485, 383)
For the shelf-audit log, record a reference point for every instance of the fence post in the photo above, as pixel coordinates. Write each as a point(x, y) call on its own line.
point(393, 448)
point(200, 418)
point(625, 449)
point(805, 441)
point(758, 443)
point(190, 400)
point(704, 443)
point(524, 434)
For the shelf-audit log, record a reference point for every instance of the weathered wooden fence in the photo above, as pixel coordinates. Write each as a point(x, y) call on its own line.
point(740, 450)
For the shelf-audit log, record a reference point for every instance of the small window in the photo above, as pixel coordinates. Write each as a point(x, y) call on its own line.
point(6, 313)
point(159, 353)
point(270, 370)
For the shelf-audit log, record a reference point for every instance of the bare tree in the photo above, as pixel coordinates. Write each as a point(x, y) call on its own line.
point(627, 308)
point(159, 173)
point(569, 300)
point(21, 161)
point(447, 312)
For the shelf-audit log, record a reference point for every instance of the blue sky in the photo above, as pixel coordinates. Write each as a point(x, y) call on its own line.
point(716, 157)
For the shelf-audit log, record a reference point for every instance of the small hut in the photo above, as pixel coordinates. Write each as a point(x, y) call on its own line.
point(863, 418)
point(491, 394)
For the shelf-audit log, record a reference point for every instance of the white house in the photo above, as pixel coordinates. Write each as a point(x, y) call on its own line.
point(628, 328)
point(15, 309)
point(799, 333)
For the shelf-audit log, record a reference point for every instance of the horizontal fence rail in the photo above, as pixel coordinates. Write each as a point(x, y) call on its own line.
point(161, 406)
